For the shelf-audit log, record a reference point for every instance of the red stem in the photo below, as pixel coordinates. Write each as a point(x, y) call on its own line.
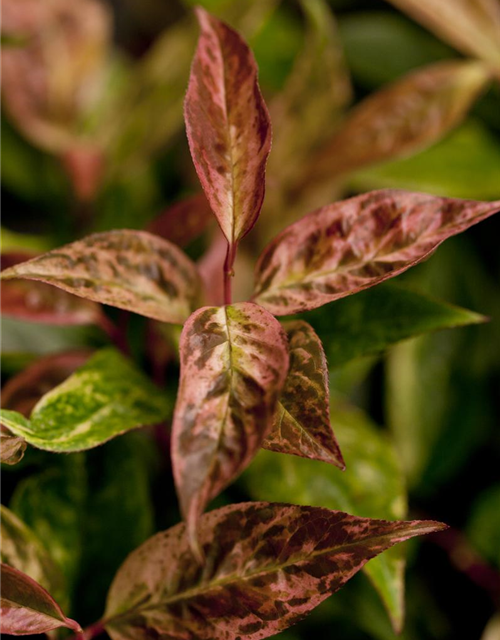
point(228, 272)
point(90, 632)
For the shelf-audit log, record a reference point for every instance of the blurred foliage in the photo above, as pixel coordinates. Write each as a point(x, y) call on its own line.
point(118, 158)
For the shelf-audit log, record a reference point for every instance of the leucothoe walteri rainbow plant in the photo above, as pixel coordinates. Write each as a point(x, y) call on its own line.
point(247, 380)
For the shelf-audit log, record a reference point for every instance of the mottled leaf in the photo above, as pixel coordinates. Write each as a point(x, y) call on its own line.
point(469, 25)
point(407, 116)
point(234, 361)
point(104, 398)
point(267, 566)
point(132, 270)
point(22, 549)
point(228, 127)
point(351, 245)
point(39, 302)
point(372, 485)
point(302, 421)
point(371, 321)
point(22, 392)
point(184, 221)
point(12, 447)
point(27, 608)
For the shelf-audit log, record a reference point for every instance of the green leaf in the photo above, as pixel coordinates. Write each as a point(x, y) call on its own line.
point(372, 320)
point(483, 527)
point(267, 566)
point(466, 164)
point(27, 608)
point(372, 485)
point(22, 549)
point(102, 399)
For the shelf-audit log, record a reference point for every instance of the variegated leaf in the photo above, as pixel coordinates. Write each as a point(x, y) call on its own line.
point(228, 127)
point(12, 447)
point(104, 398)
point(39, 302)
point(473, 26)
point(406, 117)
point(132, 270)
point(184, 221)
point(267, 566)
point(27, 608)
point(351, 245)
point(22, 550)
point(234, 361)
point(22, 391)
point(302, 421)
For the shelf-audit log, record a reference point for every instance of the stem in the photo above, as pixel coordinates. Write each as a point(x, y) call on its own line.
point(228, 272)
point(90, 632)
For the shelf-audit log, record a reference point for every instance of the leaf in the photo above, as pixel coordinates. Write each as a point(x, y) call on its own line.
point(407, 116)
point(483, 526)
point(372, 485)
point(131, 270)
point(234, 361)
point(302, 421)
point(267, 566)
point(351, 245)
point(473, 27)
point(12, 448)
point(22, 392)
point(104, 398)
point(228, 127)
point(184, 221)
point(27, 608)
point(374, 319)
point(39, 302)
point(466, 164)
point(22, 550)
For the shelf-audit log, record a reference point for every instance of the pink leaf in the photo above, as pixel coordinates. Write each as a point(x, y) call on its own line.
point(267, 566)
point(184, 221)
point(39, 302)
point(234, 361)
point(12, 447)
point(302, 422)
point(351, 245)
point(27, 608)
point(228, 127)
point(132, 270)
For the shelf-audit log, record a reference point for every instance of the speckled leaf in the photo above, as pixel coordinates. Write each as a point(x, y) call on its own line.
point(132, 270)
point(22, 550)
point(27, 608)
point(302, 421)
point(372, 485)
point(104, 398)
point(267, 566)
point(234, 361)
point(12, 447)
point(39, 302)
point(403, 118)
point(228, 126)
point(184, 221)
point(351, 245)
point(22, 391)
point(473, 26)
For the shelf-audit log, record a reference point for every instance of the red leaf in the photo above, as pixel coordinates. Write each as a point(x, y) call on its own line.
point(234, 361)
point(267, 565)
point(27, 608)
point(184, 221)
point(228, 127)
point(302, 422)
point(40, 302)
point(351, 245)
